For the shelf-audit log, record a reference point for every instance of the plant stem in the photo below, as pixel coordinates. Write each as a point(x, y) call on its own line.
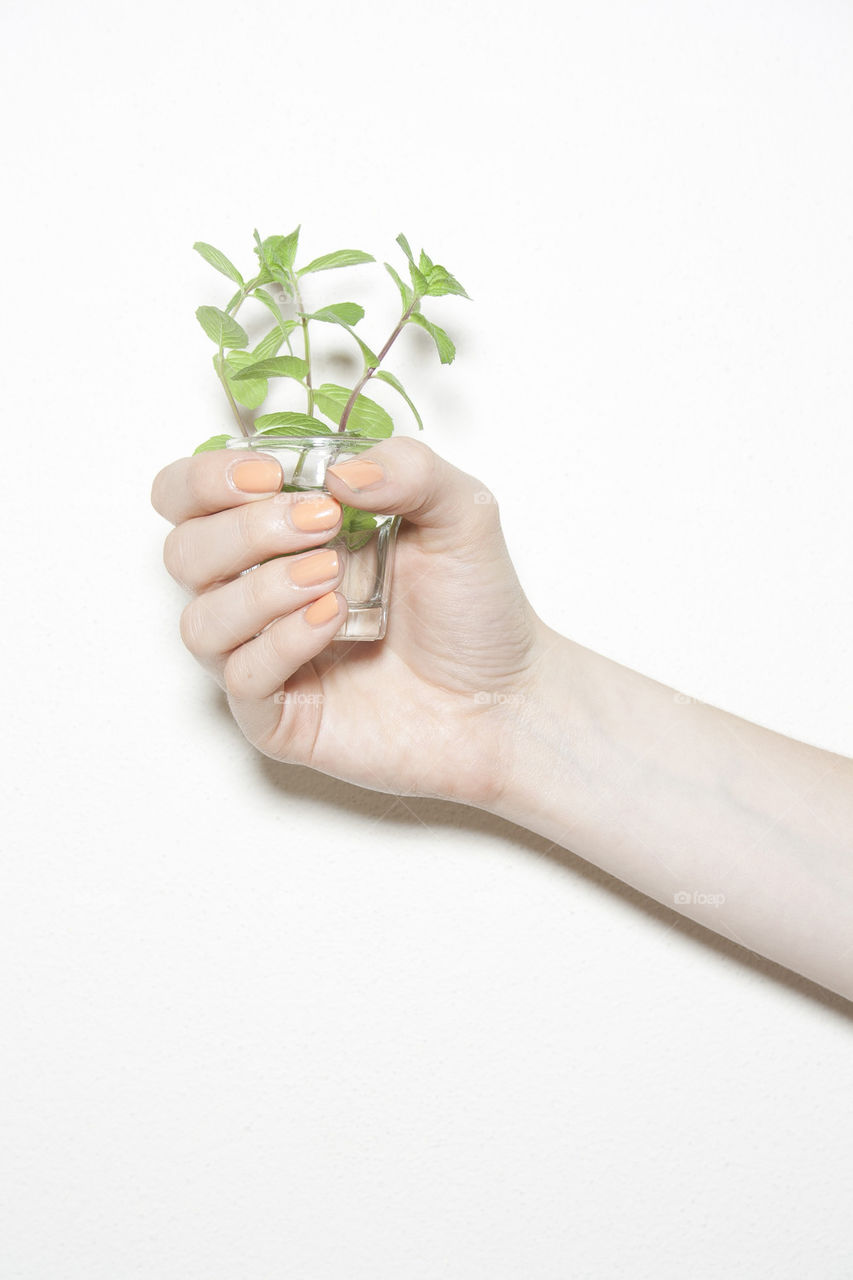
point(301, 312)
point(245, 290)
point(371, 369)
point(221, 372)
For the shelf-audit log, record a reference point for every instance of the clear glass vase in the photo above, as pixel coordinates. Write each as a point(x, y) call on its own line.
point(367, 552)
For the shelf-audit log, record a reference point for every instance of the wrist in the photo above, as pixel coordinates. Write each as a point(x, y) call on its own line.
point(552, 740)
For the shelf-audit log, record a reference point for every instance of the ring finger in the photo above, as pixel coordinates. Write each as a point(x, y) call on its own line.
point(218, 621)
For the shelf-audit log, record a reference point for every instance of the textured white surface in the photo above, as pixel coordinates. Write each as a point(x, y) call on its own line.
point(257, 1023)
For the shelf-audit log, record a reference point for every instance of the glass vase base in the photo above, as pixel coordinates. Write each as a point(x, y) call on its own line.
point(364, 623)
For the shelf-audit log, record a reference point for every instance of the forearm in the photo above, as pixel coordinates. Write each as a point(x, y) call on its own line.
point(738, 827)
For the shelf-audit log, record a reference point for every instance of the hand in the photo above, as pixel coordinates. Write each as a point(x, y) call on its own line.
point(418, 713)
point(471, 697)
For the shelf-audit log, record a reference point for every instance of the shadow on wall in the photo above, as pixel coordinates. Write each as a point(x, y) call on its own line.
point(297, 782)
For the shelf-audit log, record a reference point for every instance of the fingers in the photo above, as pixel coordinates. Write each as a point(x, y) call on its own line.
point(209, 549)
point(213, 481)
point(230, 514)
point(257, 670)
point(217, 622)
point(404, 476)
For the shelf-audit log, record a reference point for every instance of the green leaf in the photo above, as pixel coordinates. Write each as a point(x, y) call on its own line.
point(275, 367)
point(218, 260)
point(425, 264)
point(347, 312)
point(385, 376)
point(281, 250)
point(250, 392)
point(277, 254)
point(357, 527)
point(340, 258)
point(290, 424)
point(332, 315)
point(446, 349)
point(419, 281)
point(215, 442)
point(440, 281)
point(404, 245)
point(270, 303)
point(269, 343)
point(249, 288)
point(367, 418)
point(222, 329)
point(405, 292)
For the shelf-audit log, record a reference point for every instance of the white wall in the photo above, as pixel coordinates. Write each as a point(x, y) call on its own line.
point(258, 1023)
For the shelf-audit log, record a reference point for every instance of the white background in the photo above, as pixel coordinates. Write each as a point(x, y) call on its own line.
point(258, 1023)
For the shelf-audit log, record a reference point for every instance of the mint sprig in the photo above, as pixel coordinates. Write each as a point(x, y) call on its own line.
point(246, 375)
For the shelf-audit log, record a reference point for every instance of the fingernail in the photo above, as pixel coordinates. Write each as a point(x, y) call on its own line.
point(260, 475)
point(322, 610)
point(313, 569)
point(358, 473)
point(312, 514)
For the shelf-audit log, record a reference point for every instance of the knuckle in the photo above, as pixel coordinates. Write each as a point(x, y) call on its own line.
point(197, 488)
point(157, 493)
point(488, 507)
point(278, 638)
point(486, 523)
point(415, 453)
point(256, 591)
point(235, 673)
point(175, 555)
point(192, 625)
point(246, 527)
point(424, 467)
point(476, 511)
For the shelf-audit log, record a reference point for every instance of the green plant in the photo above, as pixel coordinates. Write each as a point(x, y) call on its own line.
point(246, 374)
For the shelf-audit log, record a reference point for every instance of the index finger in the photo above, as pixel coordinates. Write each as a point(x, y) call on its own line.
point(213, 481)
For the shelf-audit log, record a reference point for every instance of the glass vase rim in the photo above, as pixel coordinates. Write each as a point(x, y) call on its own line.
point(324, 437)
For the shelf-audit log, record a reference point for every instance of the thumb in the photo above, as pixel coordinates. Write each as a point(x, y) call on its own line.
point(405, 477)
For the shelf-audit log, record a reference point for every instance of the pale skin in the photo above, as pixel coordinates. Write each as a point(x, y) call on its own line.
point(471, 697)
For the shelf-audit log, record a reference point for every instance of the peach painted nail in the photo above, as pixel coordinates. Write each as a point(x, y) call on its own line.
point(260, 475)
point(322, 610)
point(310, 515)
point(358, 473)
point(313, 569)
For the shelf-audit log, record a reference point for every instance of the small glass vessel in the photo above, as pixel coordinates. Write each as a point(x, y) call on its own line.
point(368, 553)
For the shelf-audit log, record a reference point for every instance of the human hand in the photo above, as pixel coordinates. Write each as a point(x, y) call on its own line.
point(472, 698)
point(427, 710)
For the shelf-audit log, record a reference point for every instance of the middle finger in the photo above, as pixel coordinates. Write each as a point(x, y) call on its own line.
point(207, 550)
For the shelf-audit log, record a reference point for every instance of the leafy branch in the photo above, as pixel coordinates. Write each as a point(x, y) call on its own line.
point(245, 375)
